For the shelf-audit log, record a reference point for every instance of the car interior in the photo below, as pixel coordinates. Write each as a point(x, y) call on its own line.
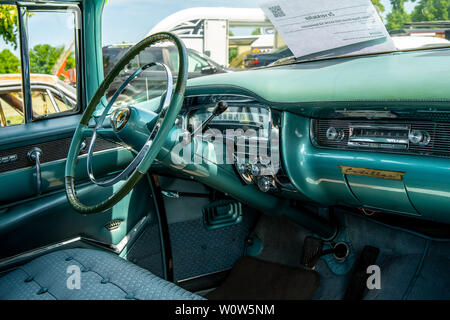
point(325, 179)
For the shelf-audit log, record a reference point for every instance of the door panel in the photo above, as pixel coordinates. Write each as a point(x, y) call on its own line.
point(29, 220)
point(50, 219)
point(21, 183)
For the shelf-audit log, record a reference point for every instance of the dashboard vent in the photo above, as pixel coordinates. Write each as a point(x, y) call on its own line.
point(439, 136)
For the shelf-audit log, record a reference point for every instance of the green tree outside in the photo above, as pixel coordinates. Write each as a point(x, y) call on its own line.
point(256, 32)
point(425, 10)
point(232, 54)
point(398, 16)
point(44, 56)
point(9, 63)
point(431, 10)
point(9, 24)
point(378, 5)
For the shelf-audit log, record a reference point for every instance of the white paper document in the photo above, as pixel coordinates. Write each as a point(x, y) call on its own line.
point(328, 27)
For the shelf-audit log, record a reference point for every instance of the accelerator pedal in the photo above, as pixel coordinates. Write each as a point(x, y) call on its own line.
point(312, 251)
point(358, 280)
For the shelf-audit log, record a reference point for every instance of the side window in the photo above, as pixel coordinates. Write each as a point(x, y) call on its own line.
point(195, 63)
point(174, 58)
point(46, 101)
point(150, 55)
point(11, 97)
point(43, 41)
point(52, 61)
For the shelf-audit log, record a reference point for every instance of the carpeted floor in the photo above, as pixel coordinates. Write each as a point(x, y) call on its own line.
point(412, 266)
point(252, 278)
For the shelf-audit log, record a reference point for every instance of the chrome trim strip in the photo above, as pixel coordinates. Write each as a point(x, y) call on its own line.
point(129, 238)
point(202, 275)
point(35, 252)
point(52, 100)
point(25, 61)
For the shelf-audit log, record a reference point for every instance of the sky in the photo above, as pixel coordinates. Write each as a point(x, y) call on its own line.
point(60, 25)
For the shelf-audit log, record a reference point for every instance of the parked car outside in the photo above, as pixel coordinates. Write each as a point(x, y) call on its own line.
point(199, 64)
point(49, 96)
point(153, 81)
point(255, 60)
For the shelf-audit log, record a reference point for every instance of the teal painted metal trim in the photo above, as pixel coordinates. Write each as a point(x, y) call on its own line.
point(415, 77)
point(92, 28)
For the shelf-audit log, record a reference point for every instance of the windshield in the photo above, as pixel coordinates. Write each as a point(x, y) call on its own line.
point(228, 35)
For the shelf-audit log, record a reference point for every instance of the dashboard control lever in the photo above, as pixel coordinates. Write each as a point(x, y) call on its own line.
point(35, 155)
point(220, 108)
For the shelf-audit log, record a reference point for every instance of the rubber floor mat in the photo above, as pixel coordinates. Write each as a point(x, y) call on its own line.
point(252, 279)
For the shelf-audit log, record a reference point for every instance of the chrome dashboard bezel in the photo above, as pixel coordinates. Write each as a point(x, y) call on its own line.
point(433, 147)
point(246, 179)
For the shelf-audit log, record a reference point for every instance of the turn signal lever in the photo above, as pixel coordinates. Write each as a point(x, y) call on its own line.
point(220, 108)
point(34, 155)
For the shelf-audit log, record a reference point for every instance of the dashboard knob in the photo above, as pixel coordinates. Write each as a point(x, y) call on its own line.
point(255, 170)
point(242, 168)
point(265, 183)
point(419, 137)
point(335, 134)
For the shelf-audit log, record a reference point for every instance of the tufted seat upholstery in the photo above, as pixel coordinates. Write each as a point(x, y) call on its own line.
point(103, 276)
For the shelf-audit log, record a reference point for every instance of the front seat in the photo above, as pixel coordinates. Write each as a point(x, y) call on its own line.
point(104, 276)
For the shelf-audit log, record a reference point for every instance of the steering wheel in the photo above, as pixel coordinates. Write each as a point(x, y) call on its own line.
point(167, 115)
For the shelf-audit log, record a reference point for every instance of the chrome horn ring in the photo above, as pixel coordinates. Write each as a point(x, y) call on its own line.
point(145, 149)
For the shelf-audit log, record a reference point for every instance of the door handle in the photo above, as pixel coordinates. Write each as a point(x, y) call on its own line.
point(34, 155)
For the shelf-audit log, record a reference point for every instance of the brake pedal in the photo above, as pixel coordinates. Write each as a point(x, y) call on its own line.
point(312, 251)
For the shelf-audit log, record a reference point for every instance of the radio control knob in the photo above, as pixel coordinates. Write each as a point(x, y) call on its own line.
point(335, 134)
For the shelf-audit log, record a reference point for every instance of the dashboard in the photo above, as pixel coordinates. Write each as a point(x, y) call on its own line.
point(368, 132)
point(373, 160)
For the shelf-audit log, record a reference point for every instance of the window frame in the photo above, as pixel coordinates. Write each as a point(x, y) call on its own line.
point(23, 8)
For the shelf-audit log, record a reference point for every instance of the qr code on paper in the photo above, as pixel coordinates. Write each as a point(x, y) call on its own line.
point(277, 11)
